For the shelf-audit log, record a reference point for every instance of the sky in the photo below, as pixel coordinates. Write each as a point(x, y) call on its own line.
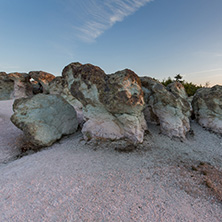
point(156, 38)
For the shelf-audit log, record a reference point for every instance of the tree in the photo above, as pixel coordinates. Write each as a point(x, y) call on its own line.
point(190, 87)
point(178, 77)
point(207, 84)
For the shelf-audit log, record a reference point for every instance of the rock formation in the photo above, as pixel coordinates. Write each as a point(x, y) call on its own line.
point(6, 86)
point(22, 85)
point(177, 89)
point(18, 85)
point(207, 107)
point(43, 79)
point(44, 118)
point(112, 104)
point(169, 108)
point(58, 86)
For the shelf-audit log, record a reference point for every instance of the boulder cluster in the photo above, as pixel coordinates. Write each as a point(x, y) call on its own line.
point(18, 85)
point(105, 106)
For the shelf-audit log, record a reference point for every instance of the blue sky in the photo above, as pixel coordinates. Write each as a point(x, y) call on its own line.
point(157, 38)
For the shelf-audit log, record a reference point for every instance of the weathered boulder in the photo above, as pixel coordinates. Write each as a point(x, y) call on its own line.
point(177, 89)
point(44, 118)
point(22, 85)
point(169, 108)
point(58, 86)
point(207, 107)
point(112, 104)
point(36, 87)
point(6, 86)
point(43, 79)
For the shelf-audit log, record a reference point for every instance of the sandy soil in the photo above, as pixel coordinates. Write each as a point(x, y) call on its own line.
point(161, 180)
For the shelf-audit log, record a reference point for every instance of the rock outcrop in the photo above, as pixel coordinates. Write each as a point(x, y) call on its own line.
point(6, 86)
point(58, 86)
point(22, 85)
point(43, 79)
point(19, 85)
point(169, 108)
point(112, 104)
point(177, 89)
point(207, 107)
point(44, 118)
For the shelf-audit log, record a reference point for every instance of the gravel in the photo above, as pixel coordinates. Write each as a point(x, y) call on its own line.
point(78, 181)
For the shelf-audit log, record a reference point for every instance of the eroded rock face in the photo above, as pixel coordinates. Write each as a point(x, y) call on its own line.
point(43, 79)
point(6, 86)
point(58, 86)
point(22, 85)
point(44, 118)
point(177, 89)
point(207, 107)
point(112, 104)
point(18, 85)
point(170, 108)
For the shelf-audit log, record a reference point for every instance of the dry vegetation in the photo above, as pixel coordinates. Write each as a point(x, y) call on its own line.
point(206, 178)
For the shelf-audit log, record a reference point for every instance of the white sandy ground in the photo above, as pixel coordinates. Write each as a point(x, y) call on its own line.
point(76, 181)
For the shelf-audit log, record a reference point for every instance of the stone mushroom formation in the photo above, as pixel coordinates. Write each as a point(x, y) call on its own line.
point(105, 106)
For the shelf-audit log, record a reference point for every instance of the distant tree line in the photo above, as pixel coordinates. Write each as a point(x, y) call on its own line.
point(190, 87)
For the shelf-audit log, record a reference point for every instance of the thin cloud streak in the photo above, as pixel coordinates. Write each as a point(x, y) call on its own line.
point(102, 16)
point(205, 71)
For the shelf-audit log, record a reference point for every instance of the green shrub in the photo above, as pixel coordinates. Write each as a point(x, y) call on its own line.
point(167, 82)
point(190, 87)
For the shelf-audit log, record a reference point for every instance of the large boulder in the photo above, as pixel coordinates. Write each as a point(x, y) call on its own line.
point(177, 89)
point(58, 86)
point(112, 104)
point(44, 118)
point(207, 107)
point(43, 79)
point(169, 108)
point(22, 85)
point(6, 86)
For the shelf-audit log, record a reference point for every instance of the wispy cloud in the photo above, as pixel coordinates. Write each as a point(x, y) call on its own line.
point(102, 15)
point(206, 71)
